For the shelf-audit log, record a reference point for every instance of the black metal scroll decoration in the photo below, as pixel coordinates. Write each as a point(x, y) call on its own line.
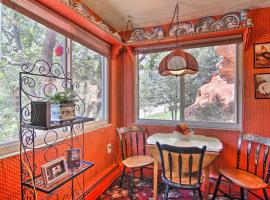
point(80, 107)
point(37, 83)
point(43, 68)
point(33, 90)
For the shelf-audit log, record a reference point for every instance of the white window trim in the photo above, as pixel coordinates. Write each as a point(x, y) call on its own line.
point(198, 124)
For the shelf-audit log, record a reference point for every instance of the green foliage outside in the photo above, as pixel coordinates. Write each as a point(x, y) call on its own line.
point(23, 41)
point(154, 89)
point(88, 72)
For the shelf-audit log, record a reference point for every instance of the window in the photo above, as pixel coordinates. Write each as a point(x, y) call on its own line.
point(24, 40)
point(89, 69)
point(209, 98)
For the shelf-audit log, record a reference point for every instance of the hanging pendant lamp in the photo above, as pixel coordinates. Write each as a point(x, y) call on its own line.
point(178, 62)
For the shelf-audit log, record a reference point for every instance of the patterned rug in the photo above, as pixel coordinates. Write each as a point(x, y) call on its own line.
point(144, 191)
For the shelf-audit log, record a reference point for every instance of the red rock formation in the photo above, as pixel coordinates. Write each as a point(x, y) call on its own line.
point(226, 66)
point(218, 93)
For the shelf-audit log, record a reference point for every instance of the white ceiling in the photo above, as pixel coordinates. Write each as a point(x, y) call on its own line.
point(145, 13)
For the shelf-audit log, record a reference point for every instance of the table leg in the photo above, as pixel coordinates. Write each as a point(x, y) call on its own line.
point(155, 179)
point(206, 182)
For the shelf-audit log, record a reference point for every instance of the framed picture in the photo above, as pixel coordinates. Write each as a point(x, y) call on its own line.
point(262, 55)
point(54, 170)
point(262, 86)
point(73, 158)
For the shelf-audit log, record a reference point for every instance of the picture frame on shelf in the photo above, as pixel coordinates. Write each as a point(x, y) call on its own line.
point(73, 158)
point(262, 86)
point(54, 170)
point(262, 55)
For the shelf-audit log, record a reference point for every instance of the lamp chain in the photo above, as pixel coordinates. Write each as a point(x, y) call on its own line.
point(177, 22)
point(129, 23)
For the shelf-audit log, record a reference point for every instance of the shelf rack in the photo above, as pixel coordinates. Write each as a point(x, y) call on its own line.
point(40, 185)
point(55, 125)
point(36, 83)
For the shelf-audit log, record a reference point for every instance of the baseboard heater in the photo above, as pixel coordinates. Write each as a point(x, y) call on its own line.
point(100, 180)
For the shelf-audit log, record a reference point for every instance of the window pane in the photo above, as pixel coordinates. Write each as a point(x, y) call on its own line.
point(207, 96)
point(23, 41)
point(157, 94)
point(89, 70)
point(210, 94)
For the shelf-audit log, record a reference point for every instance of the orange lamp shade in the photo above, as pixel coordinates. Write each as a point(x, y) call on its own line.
point(178, 63)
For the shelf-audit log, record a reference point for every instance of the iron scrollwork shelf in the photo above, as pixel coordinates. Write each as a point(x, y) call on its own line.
point(55, 125)
point(39, 182)
point(42, 144)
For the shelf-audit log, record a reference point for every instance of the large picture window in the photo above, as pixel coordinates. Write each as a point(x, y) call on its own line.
point(209, 98)
point(23, 41)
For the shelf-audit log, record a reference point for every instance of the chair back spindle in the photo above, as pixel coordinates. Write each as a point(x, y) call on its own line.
point(257, 155)
point(132, 141)
point(187, 171)
point(257, 147)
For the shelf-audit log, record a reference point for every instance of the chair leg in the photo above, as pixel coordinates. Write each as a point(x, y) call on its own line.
point(131, 184)
point(244, 194)
point(141, 171)
point(195, 194)
point(167, 192)
point(216, 188)
point(265, 194)
point(200, 194)
point(122, 176)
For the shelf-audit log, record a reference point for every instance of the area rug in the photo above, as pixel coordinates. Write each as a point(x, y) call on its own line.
point(144, 191)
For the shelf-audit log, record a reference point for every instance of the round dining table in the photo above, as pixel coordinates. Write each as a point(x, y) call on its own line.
point(213, 148)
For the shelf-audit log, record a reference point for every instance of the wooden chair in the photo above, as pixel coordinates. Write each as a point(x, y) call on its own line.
point(181, 167)
point(132, 141)
point(246, 175)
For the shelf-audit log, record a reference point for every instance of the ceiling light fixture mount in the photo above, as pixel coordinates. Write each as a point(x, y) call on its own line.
point(129, 24)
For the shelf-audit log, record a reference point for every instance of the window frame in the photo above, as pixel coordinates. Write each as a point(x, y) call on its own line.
point(196, 124)
point(32, 10)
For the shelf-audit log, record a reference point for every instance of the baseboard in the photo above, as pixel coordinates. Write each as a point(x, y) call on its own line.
point(102, 182)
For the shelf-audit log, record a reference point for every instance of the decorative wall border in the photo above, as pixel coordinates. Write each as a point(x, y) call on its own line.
point(205, 25)
point(193, 36)
point(157, 34)
point(83, 11)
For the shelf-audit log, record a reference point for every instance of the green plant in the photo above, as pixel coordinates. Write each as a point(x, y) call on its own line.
point(67, 96)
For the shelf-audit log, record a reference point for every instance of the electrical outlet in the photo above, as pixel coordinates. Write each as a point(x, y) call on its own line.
point(109, 148)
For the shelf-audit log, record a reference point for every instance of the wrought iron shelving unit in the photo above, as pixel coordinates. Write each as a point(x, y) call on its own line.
point(42, 144)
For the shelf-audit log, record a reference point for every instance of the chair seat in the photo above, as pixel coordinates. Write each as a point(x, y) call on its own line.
point(243, 178)
point(138, 161)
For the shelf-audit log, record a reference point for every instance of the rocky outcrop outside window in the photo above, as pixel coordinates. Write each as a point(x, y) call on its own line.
point(215, 99)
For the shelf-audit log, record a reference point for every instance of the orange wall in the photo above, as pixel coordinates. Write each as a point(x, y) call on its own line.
point(255, 112)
